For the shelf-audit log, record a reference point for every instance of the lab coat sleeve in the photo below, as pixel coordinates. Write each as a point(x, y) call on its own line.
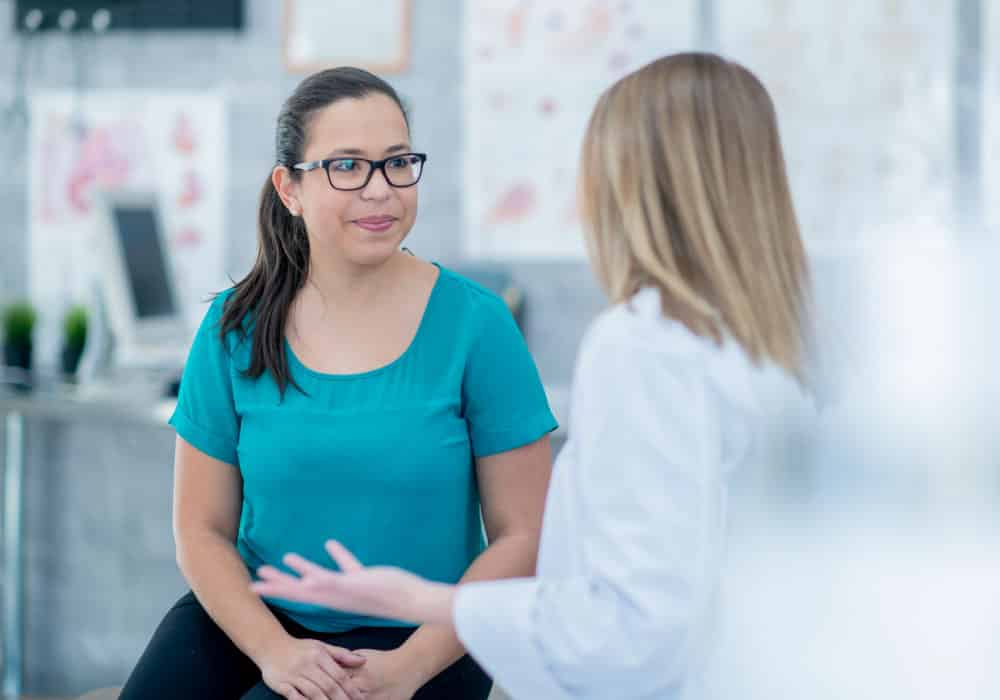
point(642, 492)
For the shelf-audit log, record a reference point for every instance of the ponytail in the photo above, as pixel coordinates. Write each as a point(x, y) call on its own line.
point(266, 294)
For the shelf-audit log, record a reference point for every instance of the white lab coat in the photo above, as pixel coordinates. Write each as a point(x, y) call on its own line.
point(624, 602)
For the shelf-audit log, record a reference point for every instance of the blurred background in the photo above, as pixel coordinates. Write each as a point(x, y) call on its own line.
point(134, 140)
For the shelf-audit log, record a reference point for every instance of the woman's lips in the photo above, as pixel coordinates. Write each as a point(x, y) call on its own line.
point(376, 224)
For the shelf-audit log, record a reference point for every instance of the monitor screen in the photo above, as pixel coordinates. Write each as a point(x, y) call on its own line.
point(145, 261)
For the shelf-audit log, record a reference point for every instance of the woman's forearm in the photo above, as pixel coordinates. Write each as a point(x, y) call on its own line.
point(219, 578)
point(434, 647)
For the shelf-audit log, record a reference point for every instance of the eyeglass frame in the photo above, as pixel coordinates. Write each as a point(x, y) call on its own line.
point(373, 165)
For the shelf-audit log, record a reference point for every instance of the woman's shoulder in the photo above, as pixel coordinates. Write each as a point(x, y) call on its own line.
point(463, 293)
point(638, 325)
point(636, 337)
point(216, 308)
point(218, 301)
point(215, 316)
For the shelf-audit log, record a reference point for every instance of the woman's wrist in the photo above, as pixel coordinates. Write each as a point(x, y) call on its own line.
point(425, 654)
point(414, 665)
point(434, 603)
point(263, 646)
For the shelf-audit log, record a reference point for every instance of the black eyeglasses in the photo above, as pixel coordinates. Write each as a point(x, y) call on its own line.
point(349, 174)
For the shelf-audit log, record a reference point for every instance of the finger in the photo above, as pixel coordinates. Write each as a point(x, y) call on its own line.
point(312, 691)
point(303, 565)
point(340, 554)
point(318, 676)
point(341, 694)
point(286, 591)
point(332, 669)
point(342, 681)
point(352, 691)
point(270, 573)
point(346, 657)
point(289, 692)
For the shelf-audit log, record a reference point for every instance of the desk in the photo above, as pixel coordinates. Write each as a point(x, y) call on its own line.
point(60, 403)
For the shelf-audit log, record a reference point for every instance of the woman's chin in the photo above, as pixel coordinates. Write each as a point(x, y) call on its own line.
point(375, 250)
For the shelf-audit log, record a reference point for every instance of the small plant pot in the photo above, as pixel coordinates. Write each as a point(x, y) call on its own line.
point(17, 355)
point(70, 361)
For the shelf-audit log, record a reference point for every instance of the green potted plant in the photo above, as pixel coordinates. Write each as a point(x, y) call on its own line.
point(18, 327)
point(74, 339)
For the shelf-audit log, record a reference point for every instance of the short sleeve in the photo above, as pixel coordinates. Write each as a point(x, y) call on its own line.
point(206, 412)
point(504, 401)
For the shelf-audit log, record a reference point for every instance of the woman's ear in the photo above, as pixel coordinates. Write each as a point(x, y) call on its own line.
point(287, 189)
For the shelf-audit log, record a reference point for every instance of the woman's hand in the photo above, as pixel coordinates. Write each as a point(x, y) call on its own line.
point(379, 591)
point(386, 676)
point(299, 669)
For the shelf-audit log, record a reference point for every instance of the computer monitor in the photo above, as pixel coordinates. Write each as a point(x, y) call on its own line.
point(137, 282)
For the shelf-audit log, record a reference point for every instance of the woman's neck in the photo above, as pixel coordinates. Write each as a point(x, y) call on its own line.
point(354, 286)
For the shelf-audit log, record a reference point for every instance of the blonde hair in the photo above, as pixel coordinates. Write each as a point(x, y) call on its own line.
point(683, 187)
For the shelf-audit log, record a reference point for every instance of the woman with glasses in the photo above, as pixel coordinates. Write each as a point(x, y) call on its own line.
point(345, 386)
point(692, 233)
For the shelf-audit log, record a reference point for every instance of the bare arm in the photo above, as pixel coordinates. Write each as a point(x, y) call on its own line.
point(208, 495)
point(512, 488)
point(207, 498)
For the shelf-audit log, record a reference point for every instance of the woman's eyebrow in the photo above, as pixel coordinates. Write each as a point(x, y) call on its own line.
point(361, 153)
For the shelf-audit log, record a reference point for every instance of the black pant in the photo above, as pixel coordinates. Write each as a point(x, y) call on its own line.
point(190, 658)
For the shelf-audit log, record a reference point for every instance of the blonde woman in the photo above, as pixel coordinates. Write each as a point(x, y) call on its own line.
point(692, 233)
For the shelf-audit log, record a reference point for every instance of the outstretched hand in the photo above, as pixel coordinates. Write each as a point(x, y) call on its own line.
point(378, 591)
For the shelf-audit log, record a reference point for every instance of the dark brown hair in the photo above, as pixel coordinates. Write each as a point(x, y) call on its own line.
point(260, 302)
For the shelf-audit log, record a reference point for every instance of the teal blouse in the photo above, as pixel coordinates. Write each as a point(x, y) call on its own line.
point(383, 460)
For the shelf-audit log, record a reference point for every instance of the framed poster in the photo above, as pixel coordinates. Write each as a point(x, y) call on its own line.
point(863, 94)
point(374, 35)
point(533, 72)
point(170, 143)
